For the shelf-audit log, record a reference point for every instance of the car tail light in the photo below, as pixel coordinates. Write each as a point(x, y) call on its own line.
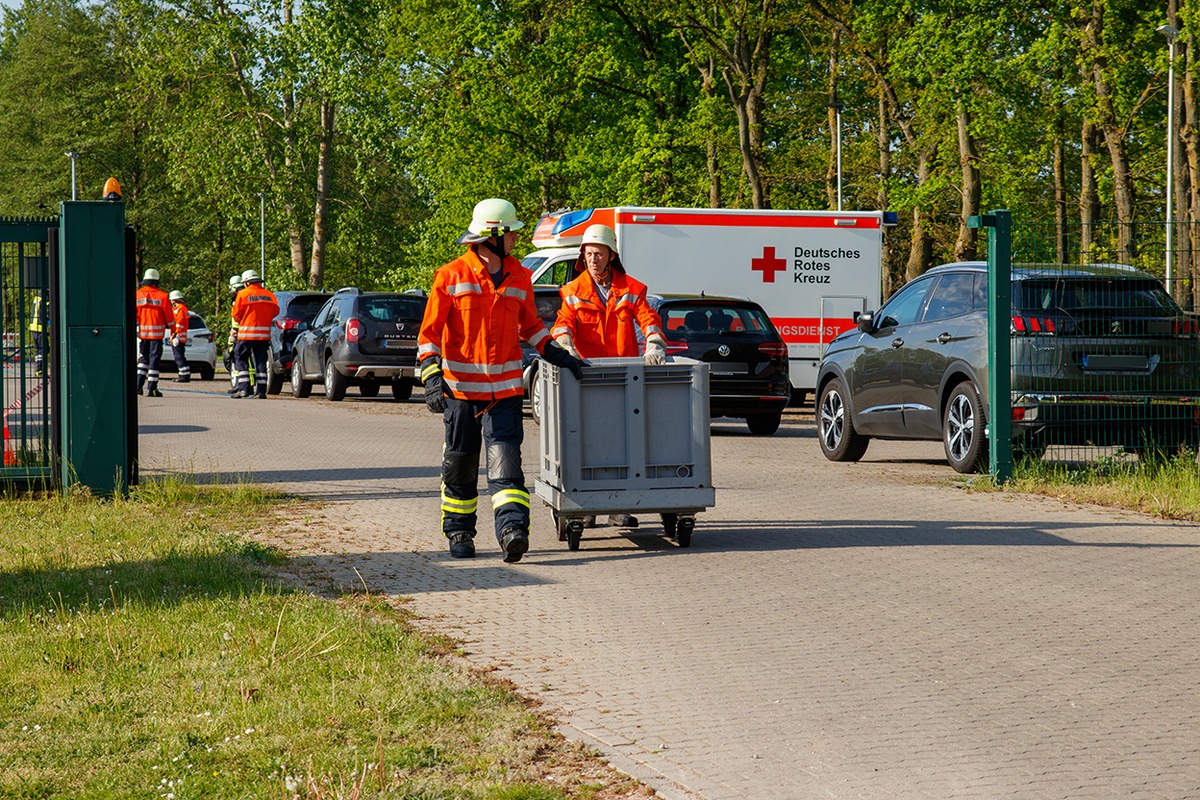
point(675, 348)
point(286, 323)
point(773, 349)
point(1185, 327)
point(353, 330)
point(1028, 325)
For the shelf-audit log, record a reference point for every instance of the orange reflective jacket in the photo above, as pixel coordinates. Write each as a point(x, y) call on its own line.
point(153, 312)
point(181, 322)
point(253, 311)
point(606, 330)
point(476, 328)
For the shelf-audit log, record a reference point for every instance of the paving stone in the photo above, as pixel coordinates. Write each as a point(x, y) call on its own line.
point(836, 630)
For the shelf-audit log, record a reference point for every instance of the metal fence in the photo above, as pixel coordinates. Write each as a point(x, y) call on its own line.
point(1104, 363)
point(28, 352)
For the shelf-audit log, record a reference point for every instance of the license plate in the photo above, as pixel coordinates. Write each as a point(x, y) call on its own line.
point(1111, 363)
point(396, 343)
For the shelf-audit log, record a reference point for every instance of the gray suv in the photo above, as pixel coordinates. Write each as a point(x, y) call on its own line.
point(1101, 355)
point(363, 339)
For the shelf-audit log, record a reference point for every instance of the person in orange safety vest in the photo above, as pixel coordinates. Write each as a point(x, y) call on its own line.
point(479, 309)
point(153, 322)
point(253, 312)
point(179, 336)
point(600, 312)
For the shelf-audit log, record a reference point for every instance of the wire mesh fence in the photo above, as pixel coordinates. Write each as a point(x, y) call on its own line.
point(1105, 362)
point(25, 395)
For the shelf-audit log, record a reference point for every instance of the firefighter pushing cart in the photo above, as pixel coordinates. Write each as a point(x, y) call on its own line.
point(628, 438)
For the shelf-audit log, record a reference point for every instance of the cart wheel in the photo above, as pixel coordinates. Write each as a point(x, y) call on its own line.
point(684, 533)
point(670, 523)
point(574, 533)
point(560, 525)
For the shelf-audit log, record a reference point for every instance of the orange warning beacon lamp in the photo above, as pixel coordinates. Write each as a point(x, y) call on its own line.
point(112, 189)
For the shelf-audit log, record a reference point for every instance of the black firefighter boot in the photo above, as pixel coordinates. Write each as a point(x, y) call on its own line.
point(462, 545)
point(514, 542)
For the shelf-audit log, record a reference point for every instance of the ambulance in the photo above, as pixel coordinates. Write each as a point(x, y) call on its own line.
point(811, 271)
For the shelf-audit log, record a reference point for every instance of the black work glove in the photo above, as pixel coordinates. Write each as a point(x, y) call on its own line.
point(435, 389)
point(556, 355)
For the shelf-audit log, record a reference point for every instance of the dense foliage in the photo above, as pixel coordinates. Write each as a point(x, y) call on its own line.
point(367, 130)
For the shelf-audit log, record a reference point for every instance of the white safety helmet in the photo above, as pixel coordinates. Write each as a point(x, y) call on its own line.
point(600, 234)
point(235, 282)
point(251, 276)
point(491, 217)
point(151, 275)
point(176, 295)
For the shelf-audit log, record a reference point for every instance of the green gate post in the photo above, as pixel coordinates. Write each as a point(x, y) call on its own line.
point(95, 342)
point(999, 340)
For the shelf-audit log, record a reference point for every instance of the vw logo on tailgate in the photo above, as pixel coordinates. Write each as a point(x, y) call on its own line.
point(723, 350)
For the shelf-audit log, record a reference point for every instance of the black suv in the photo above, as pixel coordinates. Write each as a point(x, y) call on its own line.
point(747, 358)
point(361, 339)
point(1101, 356)
point(294, 308)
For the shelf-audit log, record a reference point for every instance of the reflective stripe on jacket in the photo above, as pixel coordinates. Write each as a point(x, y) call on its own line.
point(476, 328)
point(181, 322)
point(606, 330)
point(253, 311)
point(153, 312)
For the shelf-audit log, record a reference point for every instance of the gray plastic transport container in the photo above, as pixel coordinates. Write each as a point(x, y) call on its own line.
point(628, 438)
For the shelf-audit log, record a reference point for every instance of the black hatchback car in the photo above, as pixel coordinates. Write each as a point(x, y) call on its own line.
point(747, 358)
point(294, 308)
point(1101, 356)
point(363, 339)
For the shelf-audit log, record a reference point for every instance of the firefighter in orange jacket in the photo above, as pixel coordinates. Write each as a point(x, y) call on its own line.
point(179, 336)
point(253, 312)
point(480, 308)
point(601, 310)
point(153, 322)
point(602, 307)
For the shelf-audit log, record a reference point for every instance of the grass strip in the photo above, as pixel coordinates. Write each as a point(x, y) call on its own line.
point(1166, 486)
point(147, 650)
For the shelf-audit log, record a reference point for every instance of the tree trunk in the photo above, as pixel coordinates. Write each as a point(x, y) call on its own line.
point(1114, 136)
point(1181, 278)
point(920, 252)
point(1089, 195)
point(711, 153)
point(831, 172)
point(1060, 177)
point(1190, 134)
point(967, 245)
point(316, 273)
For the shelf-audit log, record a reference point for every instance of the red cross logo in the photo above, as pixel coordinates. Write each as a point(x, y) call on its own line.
point(768, 264)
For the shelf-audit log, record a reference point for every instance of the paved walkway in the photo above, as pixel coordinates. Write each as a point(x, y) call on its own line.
point(837, 631)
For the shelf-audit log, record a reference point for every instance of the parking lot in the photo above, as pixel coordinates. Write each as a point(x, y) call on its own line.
point(866, 630)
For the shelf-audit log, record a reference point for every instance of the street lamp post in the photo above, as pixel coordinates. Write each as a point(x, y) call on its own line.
point(262, 235)
point(74, 157)
point(1172, 33)
point(837, 109)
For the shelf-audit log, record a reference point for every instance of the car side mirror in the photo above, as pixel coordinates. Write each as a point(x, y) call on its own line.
point(865, 321)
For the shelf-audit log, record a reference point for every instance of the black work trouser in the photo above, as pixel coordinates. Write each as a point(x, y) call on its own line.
point(149, 355)
point(243, 353)
point(471, 425)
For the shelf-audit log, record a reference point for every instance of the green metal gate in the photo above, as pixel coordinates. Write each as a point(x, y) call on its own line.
point(1089, 356)
point(29, 350)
